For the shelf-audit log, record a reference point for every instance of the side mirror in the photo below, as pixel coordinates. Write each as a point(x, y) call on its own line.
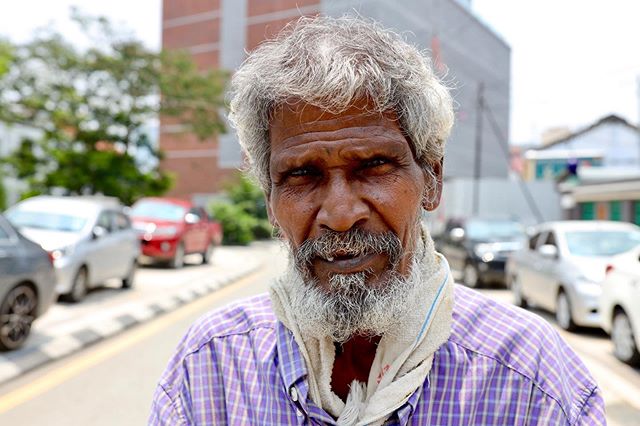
point(191, 218)
point(456, 235)
point(548, 251)
point(98, 232)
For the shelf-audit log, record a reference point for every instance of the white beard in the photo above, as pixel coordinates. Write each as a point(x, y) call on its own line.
point(352, 306)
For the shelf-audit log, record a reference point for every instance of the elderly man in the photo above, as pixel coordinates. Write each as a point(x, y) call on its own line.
point(344, 125)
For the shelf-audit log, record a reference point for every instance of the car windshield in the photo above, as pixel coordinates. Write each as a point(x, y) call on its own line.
point(44, 220)
point(158, 210)
point(494, 230)
point(601, 243)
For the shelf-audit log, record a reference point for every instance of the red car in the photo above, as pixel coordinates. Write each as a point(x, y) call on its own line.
point(170, 228)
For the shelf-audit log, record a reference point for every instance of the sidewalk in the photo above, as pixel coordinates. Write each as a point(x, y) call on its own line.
point(58, 334)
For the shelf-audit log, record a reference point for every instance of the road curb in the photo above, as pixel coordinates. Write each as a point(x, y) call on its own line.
point(136, 313)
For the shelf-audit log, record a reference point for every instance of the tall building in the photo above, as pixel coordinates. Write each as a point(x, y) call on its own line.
point(469, 55)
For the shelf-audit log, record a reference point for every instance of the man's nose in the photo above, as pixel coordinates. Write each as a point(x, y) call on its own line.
point(342, 205)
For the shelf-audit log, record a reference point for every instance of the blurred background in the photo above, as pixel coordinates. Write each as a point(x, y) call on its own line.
point(114, 146)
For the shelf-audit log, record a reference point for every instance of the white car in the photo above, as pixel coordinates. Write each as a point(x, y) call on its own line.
point(90, 239)
point(620, 306)
point(563, 266)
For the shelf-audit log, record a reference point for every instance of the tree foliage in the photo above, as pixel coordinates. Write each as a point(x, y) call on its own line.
point(6, 56)
point(244, 214)
point(91, 107)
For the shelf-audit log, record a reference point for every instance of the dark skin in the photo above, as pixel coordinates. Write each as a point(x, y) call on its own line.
point(336, 172)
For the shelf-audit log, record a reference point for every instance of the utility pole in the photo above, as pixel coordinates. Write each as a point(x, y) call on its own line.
point(478, 150)
point(638, 124)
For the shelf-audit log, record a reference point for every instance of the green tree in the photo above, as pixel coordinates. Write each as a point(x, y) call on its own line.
point(92, 105)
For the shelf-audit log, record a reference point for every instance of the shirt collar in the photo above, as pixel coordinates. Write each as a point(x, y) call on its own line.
point(294, 372)
point(291, 363)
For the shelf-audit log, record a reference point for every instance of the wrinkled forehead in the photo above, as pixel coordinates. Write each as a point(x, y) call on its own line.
point(298, 118)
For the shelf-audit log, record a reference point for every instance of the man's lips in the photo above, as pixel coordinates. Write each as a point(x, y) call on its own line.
point(348, 265)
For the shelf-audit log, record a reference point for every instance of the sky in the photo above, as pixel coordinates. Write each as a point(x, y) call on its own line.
point(573, 61)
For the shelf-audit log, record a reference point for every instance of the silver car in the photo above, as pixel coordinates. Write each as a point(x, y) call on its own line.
point(563, 266)
point(90, 239)
point(620, 306)
point(27, 285)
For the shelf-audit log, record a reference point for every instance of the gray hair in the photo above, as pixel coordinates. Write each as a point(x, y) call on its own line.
point(330, 63)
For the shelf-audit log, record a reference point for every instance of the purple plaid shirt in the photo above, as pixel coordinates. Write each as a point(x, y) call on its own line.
point(501, 366)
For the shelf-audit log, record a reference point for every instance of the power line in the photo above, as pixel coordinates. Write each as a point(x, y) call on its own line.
point(477, 165)
point(523, 187)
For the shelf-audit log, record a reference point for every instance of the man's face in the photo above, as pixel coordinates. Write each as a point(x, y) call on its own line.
point(346, 172)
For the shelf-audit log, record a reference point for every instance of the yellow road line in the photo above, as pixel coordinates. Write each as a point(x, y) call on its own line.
point(66, 372)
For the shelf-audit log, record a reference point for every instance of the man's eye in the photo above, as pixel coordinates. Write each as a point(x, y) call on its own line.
point(375, 162)
point(301, 174)
point(377, 165)
point(301, 171)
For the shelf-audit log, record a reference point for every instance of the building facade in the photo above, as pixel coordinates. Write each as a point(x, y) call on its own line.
point(471, 58)
point(617, 200)
point(611, 145)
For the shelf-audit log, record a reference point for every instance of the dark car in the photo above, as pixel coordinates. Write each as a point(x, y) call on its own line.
point(27, 285)
point(477, 249)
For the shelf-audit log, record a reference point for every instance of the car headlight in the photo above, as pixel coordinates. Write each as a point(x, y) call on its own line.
point(165, 231)
point(484, 251)
point(62, 252)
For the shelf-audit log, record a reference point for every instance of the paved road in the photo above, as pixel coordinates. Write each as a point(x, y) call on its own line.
point(112, 382)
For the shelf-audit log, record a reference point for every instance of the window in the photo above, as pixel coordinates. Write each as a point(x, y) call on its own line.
point(587, 211)
point(615, 210)
point(602, 242)
point(104, 221)
point(533, 241)
point(202, 212)
point(161, 210)
point(122, 222)
point(551, 240)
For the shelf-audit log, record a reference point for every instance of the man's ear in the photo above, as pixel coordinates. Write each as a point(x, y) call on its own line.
point(433, 191)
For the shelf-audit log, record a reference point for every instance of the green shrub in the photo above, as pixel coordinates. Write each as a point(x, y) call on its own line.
point(237, 224)
point(263, 230)
point(3, 195)
point(244, 215)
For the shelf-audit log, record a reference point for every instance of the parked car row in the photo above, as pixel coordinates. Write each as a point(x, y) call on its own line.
point(588, 274)
point(63, 246)
point(585, 272)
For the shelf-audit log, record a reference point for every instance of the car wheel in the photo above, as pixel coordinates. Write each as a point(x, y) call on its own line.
point(470, 276)
point(624, 344)
point(17, 313)
point(127, 281)
point(80, 286)
point(516, 289)
point(563, 312)
point(178, 259)
point(208, 252)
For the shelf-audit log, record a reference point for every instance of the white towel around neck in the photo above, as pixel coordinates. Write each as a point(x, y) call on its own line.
point(403, 359)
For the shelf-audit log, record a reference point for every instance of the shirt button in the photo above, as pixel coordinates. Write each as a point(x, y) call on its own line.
point(299, 413)
point(294, 394)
